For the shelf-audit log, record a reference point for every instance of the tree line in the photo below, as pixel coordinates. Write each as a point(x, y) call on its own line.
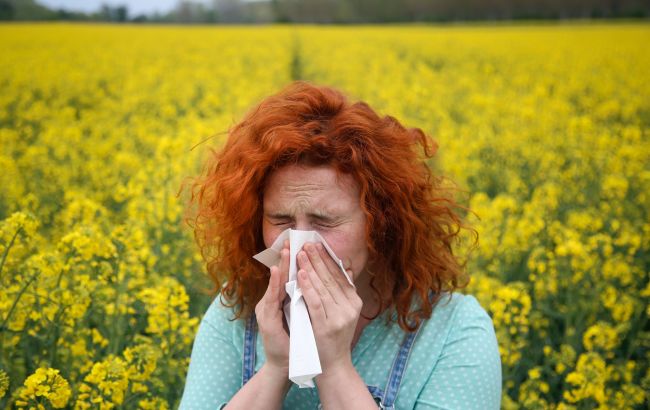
point(341, 11)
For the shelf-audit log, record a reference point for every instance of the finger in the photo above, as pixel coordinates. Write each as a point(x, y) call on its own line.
point(325, 294)
point(333, 267)
point(326, 275)
point(313, 300)
point(284, 257)
point(271, 297)
point(268, 311)
point(284, 268)
point(347, 288)
point(269, 306)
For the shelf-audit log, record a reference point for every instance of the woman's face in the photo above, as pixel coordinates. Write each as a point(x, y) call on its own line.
point(318, 199)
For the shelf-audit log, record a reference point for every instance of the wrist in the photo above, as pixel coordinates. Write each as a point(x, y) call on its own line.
point(337, 372)
point(277, 375)
point(275, 370)
point(342, 387)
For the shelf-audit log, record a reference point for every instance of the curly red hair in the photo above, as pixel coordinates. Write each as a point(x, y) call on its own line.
point(412, 220)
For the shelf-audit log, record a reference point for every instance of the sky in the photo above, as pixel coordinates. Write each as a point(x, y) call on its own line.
point(135, 6)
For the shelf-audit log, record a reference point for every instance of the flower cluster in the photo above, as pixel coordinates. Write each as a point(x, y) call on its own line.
point(4, 383)
point(44, 386)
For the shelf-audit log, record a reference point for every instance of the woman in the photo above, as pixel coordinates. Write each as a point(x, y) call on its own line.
point(309, 159)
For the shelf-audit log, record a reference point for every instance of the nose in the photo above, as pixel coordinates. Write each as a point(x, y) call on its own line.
point(302, 226)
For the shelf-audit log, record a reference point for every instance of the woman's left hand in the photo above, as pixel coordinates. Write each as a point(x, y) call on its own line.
point(333, 303)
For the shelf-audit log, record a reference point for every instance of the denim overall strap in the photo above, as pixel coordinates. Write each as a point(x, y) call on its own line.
point(248, 363)
point(376, 392)
point(397, 371)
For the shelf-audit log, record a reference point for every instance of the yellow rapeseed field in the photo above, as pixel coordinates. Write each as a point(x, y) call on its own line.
point(545, 128)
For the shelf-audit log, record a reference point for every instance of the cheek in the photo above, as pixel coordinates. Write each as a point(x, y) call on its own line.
point(270, 233)
point(360, 260)
point(353, 252)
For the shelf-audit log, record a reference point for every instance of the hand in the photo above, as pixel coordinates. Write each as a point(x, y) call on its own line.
point(270, 316)
point(333, 304)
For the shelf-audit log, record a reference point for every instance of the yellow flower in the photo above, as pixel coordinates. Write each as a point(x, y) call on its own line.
point(86, 243)
point(587, 380)
point(141, 361)
point(534, 373)
point(98, 339)
point(105, 385)
point(167, 305)
point(600, 336)
point(4, 383)
point(155, 403)
point(78, 348)
point(45, 383)
point(615, 186)
point(510, 310)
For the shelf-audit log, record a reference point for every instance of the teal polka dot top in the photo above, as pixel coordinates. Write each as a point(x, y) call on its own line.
point(454, 361)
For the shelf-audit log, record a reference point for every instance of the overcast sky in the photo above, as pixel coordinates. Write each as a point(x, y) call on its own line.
point(135, 6)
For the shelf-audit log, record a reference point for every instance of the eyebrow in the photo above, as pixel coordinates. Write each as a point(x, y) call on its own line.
point(315, 215)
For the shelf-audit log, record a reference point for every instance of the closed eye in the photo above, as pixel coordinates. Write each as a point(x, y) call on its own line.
point(277, 220)
point(280, 223)
point(324, 224)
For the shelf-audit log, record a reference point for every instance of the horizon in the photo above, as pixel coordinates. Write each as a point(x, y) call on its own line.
point(135, 7)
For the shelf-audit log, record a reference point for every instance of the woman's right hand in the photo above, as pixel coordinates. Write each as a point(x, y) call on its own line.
point(269, 386)
point(270, 317)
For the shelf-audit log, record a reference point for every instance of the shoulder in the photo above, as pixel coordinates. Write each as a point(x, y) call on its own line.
point(457, 315)
point(458, 330)
point(452, 310)
point(461, 343)
point(461, 308)
point(220, 319)
point(214, 373)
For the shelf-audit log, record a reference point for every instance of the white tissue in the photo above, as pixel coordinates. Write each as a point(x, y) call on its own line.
point(304, 363)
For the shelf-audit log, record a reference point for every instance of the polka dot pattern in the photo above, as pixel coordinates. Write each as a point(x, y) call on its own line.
point(454, 363)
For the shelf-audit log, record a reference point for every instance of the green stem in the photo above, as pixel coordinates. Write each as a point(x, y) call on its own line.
point(20, 294)
point(11, 311)
point(44, 298)
point(639, 315)
point(6, 252)
point(54, 329)
point(130, 398)
point(117, 322)
point(58, 280)
point(55, 337)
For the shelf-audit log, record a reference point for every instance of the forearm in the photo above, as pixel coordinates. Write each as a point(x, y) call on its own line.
point(265, 390)
point(343, 388)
